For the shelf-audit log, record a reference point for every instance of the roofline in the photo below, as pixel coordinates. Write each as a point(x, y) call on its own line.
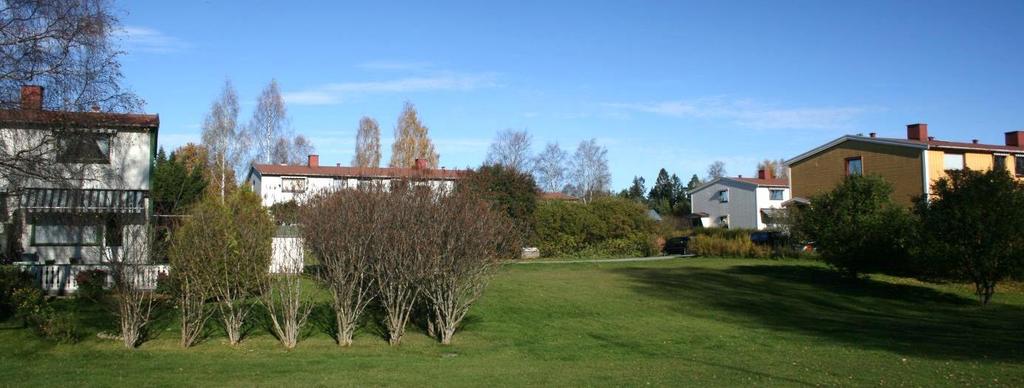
point(255, 168)
point(845, 138)
point(716, 180)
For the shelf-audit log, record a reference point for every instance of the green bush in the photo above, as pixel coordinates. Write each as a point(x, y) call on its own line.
point(605, 227)
point(11, 279)
point(91, 284)
point(36, 313)
point(857, 228)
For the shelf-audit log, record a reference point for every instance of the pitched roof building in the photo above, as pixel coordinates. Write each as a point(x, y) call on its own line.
point(911, 165)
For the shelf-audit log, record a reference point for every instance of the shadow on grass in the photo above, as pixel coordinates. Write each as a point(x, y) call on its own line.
point(815, 301)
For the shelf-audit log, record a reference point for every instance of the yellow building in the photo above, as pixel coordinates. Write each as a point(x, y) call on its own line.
point(910, 165)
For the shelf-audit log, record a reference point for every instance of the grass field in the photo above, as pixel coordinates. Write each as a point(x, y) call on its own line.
point(712, 322)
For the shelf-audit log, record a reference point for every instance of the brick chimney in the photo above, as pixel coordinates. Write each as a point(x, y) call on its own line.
point(764, 174)
point(917, 131)
point(421, 164)
point(1015, 138)
point(31, 97)
point(314, 161)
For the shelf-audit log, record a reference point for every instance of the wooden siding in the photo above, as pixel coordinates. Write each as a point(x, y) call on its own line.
point(900, 166)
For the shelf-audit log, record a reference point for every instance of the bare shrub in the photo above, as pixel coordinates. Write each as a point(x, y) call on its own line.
point(402, 257)
point(344, 230)
point(286, 301)
point(134, 304)
point(467, 240)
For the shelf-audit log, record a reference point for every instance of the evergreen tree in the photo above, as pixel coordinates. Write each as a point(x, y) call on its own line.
point(636, 190)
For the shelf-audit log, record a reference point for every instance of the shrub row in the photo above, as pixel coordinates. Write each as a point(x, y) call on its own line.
point(607, 226)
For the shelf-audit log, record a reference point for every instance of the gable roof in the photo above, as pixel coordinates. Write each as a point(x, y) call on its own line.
point(356, 172)
point(48, 119)
point(753, 182)
point(556, 196)
point(917, 144)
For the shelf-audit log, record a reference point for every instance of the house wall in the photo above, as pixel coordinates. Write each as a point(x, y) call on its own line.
point(129, 168)
point(764, 201)
point(741, 208)
point(90, 254)
point(900, 166)
point(269, 187)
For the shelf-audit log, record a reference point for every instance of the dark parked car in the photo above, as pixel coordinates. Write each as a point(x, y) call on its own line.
point(677, 246)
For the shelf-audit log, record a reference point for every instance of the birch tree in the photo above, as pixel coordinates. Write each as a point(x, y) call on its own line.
point(412, 140)
point(69, 48)
point(268, 122)
point(511, 149)
point(549, 168)
point(367, 144)
point(590, 175)
point(221, 137)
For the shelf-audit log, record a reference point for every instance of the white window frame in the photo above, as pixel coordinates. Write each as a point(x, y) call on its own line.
point(782, 194)
point(949, 161)
point(723, 196)
point(286, 188)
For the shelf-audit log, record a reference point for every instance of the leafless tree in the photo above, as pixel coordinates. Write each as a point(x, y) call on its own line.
point(367, 144)
point(467, 239)
point(294, 151)
point(221, 136)
point(511, 149)
point(412, 140)
point(549, 168)
point(777, 168)
point(268, 123)
point(344, 230)
point(715, 170)
point(128, 269)
point(286, 300)
point(590, 175)
point(66, 46)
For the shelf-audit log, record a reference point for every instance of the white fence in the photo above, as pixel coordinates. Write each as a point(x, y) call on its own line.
point(61, 279)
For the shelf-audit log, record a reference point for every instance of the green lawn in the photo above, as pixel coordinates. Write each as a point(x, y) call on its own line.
point(720, 322)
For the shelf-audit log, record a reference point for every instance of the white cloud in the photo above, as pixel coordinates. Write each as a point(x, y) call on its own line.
point(749, 114)
point(148, 40)
point(334, 93)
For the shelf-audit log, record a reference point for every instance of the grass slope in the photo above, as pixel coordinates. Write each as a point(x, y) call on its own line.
point(716, 322)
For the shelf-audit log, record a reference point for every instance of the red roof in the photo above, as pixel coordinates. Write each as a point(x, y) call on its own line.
point(782, 182)
point(50, 119)
point(358, 172)
point(973, 146)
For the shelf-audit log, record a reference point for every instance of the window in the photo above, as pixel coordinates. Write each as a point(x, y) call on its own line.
point(115, 232)
point(1019, 165)
point(854, 166)
point(341, 183)
point(293, 185)
point(92, 148)
point(723, 196)
point(68, 234)
point(723, 221)
point(775, 194)
point(952, 161)
point(999, 162)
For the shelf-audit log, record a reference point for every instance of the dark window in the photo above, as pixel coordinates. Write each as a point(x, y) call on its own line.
point(1019, 170)
point(999, 162)
point(84, 148)
point(854, 166)
point(775, 195)
point(115, 232)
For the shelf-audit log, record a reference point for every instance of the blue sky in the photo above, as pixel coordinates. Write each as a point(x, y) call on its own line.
point(660, 84)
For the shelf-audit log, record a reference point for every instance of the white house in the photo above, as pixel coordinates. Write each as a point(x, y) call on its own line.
point(278, 183)
point(86, 181)
point(747, 203)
